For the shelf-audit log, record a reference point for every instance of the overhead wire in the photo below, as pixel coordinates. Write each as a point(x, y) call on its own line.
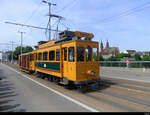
point(126, 13)
point(34, 12)
point(31, 30)
point(38, 7)
point(66, 6)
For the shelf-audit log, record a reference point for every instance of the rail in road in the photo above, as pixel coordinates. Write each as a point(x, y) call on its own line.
point(114, 95)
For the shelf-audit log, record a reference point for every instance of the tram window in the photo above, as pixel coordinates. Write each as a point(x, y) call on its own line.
point(71, 54)
point(52, 55)
point(95, 56)
point(88, 53)
point(57, 55)
point(80, 54)
point(39, 56)
point(45, 55)
point(35, 56)
point(65, 54)
point(31, 57)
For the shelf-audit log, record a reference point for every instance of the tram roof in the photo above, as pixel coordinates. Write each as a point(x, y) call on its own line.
point(26, 53)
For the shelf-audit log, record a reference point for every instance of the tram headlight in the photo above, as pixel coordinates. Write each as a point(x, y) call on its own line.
point(91, 72)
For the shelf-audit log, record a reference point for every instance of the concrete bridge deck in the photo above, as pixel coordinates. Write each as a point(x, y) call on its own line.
point(136, 74)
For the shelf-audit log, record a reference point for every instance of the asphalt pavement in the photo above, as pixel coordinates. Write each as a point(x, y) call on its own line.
point(19, 94)
point(133, 74)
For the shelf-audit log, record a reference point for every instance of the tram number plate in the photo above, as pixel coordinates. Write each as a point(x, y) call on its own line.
point(45, 65)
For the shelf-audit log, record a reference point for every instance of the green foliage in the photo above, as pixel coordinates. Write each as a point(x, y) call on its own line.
point(28, 49)
point(113, 58)
point(146, 58)
point(17, 51)
point(121, 55)
point(137, 57)
point(10, 56)
point(101, 58)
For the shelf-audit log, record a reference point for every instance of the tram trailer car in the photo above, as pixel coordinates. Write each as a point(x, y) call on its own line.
point(71, 60)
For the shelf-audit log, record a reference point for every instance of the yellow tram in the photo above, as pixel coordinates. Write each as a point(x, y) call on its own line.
point(70, 60)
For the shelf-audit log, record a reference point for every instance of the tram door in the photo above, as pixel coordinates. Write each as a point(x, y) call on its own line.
point(65, 62)
point(69, 65)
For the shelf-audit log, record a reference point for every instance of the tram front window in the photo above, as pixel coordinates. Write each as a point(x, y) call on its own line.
point(71, 54)
point(80, 54)
point(88, 53)
point(95, 54)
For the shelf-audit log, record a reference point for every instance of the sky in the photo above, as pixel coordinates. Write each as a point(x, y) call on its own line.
point(124, 23)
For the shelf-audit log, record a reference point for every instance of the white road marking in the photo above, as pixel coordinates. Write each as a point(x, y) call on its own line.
point(66, 97)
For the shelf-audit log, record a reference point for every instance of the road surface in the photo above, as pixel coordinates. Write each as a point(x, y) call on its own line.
point(20, 94)
point(114, 95)
point(133, 74)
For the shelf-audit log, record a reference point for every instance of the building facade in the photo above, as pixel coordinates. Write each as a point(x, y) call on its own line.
point(131, 52)
point(108, 51)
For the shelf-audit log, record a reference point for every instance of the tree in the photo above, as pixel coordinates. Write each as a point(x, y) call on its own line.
point(17, 51)
point(113, 58)
point(28, 49)
point(146, 58)
point(137, 57)
point(10, 56)
point(101, 58)
point(121, 55)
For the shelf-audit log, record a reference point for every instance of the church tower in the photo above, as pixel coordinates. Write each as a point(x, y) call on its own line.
point(107, 45)
point(102, 48)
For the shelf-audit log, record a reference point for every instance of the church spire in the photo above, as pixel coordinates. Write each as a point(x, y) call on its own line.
point(102, 48)
point(107, 44)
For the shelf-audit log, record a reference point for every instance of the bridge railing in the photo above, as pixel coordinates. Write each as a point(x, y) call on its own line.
point(133, 64)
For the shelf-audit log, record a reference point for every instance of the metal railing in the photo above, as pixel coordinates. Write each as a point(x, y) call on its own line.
point(133, 64)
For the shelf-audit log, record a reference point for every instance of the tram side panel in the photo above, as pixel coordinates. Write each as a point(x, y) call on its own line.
point(49, 65)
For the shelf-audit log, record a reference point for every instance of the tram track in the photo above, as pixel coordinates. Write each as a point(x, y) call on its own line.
point(120, 102)
point(131, 99)
point(122, 99)
point(126, 86)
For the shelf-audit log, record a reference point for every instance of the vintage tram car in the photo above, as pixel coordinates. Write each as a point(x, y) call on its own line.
point(73, 59)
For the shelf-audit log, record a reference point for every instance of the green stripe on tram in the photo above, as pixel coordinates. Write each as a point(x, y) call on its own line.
point(48, 65)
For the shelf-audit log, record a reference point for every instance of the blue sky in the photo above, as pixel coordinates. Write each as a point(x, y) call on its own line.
point(94, 16)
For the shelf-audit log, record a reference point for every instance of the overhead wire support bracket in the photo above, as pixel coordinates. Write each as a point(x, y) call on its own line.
point(30, 26)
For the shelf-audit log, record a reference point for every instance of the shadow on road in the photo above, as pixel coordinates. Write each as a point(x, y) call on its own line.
point(103, 84)
point(8, 95)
